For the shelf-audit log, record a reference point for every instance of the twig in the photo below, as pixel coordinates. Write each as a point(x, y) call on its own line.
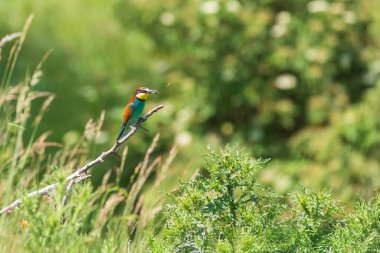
point(86, 167)
point(70, 185)
point(68, 188)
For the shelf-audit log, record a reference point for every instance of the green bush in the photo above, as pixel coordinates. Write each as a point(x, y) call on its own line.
point(268, 68)
point(222, 208)
point(291, 80)
point(226, 210)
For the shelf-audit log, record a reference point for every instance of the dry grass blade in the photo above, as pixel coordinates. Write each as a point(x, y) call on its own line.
point(99, 124)
point(142, 172)
point(150, 151)
point(23, 106)
point(9, 37)
point(109, 206)
point(141, 179)
point(105, 180)
point(162, 173)
point(137, 205)
point(15, 51)
point(119, 169)
point(43, 109)
point(9, 94)
point(141, 167)
point(37, 72)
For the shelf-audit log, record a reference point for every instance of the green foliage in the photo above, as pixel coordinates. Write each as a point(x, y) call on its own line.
point(291, 80)
point(360, 232)
point(214, 211)
point(314, 220)
point(45, 229)
point(226, 210)
point(268, 68)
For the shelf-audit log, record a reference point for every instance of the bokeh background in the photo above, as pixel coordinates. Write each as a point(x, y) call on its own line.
point(295, 81)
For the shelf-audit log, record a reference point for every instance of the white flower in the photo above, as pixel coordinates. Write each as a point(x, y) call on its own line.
point(317, 55)
point(349, 17)
point(167, 18)
point(281, 27)
point(373, 73)
point(283, 17)
point(233, 6)
point(210, 7)
point(336, 8)
point(286, 82)
point(278, 30)
point(317, 6)
point(183, 138)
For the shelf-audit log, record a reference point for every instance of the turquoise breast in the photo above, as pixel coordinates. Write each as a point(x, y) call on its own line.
point(137, 111)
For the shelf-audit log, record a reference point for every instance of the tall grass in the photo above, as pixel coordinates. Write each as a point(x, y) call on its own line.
point(108, 218)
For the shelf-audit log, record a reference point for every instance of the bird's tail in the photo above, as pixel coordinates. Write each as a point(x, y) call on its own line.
point(121, 131)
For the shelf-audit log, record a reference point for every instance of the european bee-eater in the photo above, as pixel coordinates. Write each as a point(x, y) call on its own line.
point(134, 108)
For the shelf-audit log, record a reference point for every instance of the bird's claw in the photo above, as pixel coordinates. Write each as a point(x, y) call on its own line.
point(143, 128)
point(116, 154)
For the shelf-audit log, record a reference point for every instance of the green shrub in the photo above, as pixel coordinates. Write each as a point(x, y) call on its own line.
point(360, 230)
point(226, 210)
point(218, 210)
point(290, 80)
point(268, 68)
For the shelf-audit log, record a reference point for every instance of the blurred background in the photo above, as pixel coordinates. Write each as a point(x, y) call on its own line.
point(295, 81)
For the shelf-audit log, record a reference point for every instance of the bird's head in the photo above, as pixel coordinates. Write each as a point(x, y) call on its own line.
point(143, 93)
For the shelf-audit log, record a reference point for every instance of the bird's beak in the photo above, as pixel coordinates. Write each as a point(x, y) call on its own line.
point(151, 91)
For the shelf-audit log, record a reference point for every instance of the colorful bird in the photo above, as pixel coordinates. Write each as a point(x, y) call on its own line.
point(134, 108)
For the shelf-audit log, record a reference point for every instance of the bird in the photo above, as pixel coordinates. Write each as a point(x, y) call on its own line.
point(134, 108)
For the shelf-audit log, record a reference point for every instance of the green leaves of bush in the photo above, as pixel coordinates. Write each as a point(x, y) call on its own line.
point(224, 209)
point(260, 65)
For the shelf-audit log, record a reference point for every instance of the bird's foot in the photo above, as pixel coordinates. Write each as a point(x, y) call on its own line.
point(116, 154)
point(143, 128)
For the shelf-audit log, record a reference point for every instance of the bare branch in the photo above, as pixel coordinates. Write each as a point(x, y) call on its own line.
point(68, 188)
point(86, 167)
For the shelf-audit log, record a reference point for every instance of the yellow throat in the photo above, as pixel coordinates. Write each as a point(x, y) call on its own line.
point(142, 96)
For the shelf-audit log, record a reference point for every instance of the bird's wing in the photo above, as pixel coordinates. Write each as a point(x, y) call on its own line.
point(128, 112)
